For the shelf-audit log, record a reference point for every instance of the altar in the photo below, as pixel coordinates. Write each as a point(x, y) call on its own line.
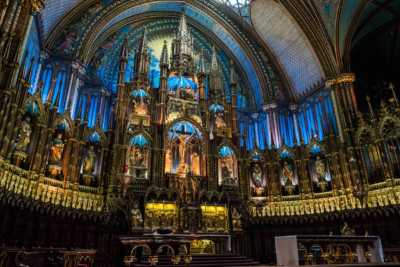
point(327, 249)
point(179, 247)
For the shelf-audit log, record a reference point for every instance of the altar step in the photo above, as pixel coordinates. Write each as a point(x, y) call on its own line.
point(207, 261)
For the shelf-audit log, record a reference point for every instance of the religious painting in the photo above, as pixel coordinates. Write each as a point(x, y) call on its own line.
point(288, 172)
point(138, 157)
point(319, 169)
point(227, 167)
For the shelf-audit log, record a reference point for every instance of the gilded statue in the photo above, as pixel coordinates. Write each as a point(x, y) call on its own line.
point(287, 174)
point(57, 149)
point(89, 161)
point(257, 179)
point(219, 120)
point(136, 218)
point(140, 107)
point(320, 169)
point(24, 136)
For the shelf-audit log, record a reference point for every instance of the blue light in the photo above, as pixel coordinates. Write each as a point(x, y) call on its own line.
point(226, 151)
point(181, 82)
point(94, 138)
point(139, 141)
point(216, 108)
point(139, 93)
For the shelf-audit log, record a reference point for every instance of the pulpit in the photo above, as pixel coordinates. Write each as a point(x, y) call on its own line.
point(329, 249)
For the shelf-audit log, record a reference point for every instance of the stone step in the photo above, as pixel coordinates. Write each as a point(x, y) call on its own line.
point(207, 261)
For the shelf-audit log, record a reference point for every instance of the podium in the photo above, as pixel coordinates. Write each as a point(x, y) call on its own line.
point(320, 249)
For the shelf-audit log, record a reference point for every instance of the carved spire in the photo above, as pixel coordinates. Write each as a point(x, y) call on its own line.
point(164, 55)
point(216, 81)
point(142, 58)
point(182, 49)
point(202, 64)
point(183, 28)
point(123, 60)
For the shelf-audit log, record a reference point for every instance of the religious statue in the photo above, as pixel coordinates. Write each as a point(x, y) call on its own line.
point(89, 161)
point(24, 136)
point(88, 166)
point(55, 156)
point(287, 177)
point(136, 218)
point(226, 171)
point(57, 149)
point(320, 169)
point(195, 163)
point(168, 161)
point(22, 143)
point(236, 220)
point(182, 153)
point(219, 120)
point(257, 179)
point(140, 107)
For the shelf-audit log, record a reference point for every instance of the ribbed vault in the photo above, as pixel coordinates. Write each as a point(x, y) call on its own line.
point(288, 43)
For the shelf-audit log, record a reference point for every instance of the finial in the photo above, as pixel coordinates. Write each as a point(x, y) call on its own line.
point(214, 61)
point(164, 55)
point(202, 64)
point(124, 51)
point(183, 28)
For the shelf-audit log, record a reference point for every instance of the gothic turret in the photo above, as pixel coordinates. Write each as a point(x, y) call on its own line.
point(216, 80)
point(123, 60)
point(142, 59)
point(182, 49)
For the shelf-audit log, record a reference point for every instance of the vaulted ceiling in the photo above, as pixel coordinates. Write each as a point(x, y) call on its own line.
point(304, 45)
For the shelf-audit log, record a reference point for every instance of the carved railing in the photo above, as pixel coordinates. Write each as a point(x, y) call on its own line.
point(40, 188)
point(379, 195)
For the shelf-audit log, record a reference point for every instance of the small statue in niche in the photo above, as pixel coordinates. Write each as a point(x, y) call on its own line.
point(219, 120)
point(320, 169)
point(226, 171)
point(89, 164)
point(23, 140)
point(236, 220)
point(136, 218)
point(257, 179)
point(287, 174)
point(24, 136)
point(55, 156)
point(140, 107)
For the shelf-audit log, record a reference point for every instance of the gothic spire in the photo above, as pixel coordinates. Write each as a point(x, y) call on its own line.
point(123, 59)
point(214, 61)
point(183, 28)
point(216, 80)
point(164, 55)
point(202, 64)
point(142, 58)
